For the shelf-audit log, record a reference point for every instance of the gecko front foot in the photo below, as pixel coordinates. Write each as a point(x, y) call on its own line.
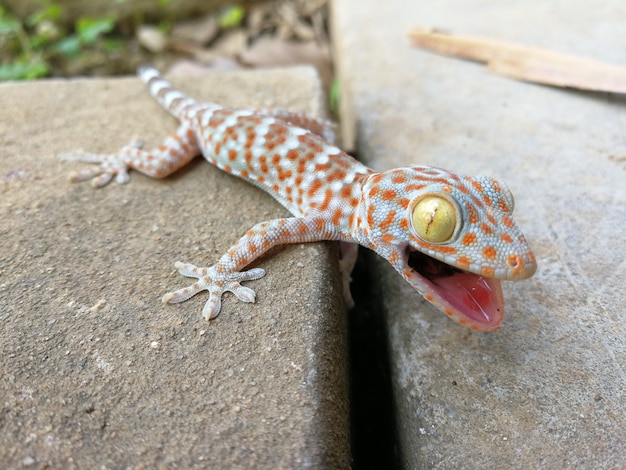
point(108, 166)
point(216, 283)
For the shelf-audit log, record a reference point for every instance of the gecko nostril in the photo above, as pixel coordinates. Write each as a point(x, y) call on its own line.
point(515, 263)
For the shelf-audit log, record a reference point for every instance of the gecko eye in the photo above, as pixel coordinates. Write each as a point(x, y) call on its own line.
point(434, 219)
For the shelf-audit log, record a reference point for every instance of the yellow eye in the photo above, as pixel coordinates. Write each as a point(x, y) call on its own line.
point(434, 219)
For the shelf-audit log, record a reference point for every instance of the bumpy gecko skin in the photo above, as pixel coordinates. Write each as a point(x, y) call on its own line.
point(451, 237)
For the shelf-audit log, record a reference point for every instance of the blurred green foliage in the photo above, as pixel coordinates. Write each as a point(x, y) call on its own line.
point(28, 47)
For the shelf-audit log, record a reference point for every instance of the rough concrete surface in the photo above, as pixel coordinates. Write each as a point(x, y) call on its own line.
point(547, 389)
point(94, 371)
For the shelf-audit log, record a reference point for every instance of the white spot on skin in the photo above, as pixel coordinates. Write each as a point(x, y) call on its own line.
point(336, 186)
point(322, 159)
point(297, 131)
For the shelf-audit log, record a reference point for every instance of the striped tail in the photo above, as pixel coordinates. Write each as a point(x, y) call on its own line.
point(174, 101)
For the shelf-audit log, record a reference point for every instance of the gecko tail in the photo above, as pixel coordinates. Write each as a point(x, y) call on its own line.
point(173, 100)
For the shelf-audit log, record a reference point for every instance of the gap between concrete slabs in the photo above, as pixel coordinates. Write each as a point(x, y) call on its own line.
point(95, 370)
point(547, 390)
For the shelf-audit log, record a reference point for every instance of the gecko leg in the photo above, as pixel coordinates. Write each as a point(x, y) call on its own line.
point(226, 275)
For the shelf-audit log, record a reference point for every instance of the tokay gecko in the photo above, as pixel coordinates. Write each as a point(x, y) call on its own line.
point(451, 237)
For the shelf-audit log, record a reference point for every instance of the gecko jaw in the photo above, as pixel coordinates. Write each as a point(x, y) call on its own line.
point(472, 300)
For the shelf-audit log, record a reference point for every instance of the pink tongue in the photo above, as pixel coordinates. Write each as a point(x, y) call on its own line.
point(474, 299)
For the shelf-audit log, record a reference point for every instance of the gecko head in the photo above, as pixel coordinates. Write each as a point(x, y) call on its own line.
point(451, 237)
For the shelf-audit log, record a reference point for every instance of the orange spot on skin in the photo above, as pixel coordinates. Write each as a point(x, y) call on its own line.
point(486, 229)
point(275, 159)
point(354, 202)
point(429, 297)
point(492, 219)
point(320, 226)
point(251, 248)
point(384, 225)
point(488, 201)
point(370, 216)
point(227, 169)
point(463, 189)
point(393, 257)
point(506, 238)
point(337, 217)
point(489, 252)
point(477, 186)
point(244, 174)
point(292, 154)
point(487, 271)
point(387, 238)
point(373, 192)
point(315, 187)
point(448, 250)
point(404, 224)
point(507, 222)
point(469, 239)
point(403, 202)
point(450, 314)
point(345, 192)
point(350, 219)
point(446, 189)
point(336, 176)
point(217, 148)
point(376, 178)
point(322, 166)
point(399, 179)
point(328, 196)
point(463, 261)
point(389, 195)
point(473, 215)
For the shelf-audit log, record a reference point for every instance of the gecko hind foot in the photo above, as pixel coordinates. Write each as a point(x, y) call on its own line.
point(216, 284)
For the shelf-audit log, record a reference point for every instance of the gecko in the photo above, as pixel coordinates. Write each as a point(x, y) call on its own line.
point(451, 237)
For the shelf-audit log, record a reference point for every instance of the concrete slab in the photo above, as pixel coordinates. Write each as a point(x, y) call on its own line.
point(546, 390)
point(94, 371)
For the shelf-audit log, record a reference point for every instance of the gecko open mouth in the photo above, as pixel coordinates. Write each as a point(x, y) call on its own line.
point(471, 299)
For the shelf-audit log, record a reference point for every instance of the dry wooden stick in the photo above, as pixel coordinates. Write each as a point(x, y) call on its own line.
point(526, 63)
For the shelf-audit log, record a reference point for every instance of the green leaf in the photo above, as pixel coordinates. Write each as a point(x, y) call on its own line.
point(69, 46)
point(232, 16)
point(50, 13)
point(9, 25)
point(89, 29)
point(24, 70)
